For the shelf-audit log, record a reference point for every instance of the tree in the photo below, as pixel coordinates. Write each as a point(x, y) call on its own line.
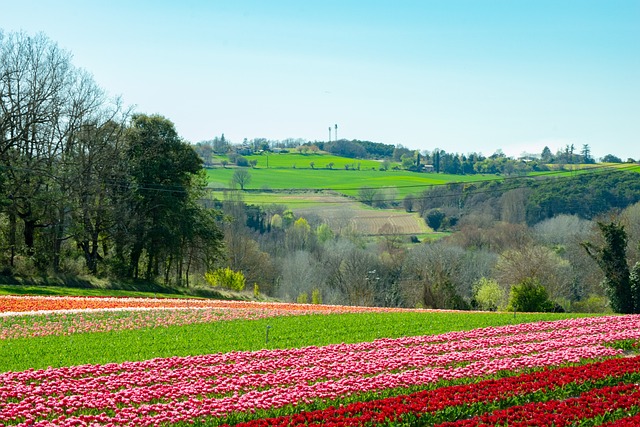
point(37, 80)
point(407, 161)
point(324, 233)
point(564, 235)
point(94, 161)
point(514, 205)
point(354, 273)
point(164, 171)
point(610, 158)
point(435, 219)
point(489, 295)
point(242, 252)
point(436, 160)
point(586, 154)
point(433, 276)
point(300, 273)
point(241, 177)
point(298, 237)
point(611, 257)
point(367, 195)
point(408, 202)
point(385, 197)
point(220, 145)
point(546, 155)
point(536, 263)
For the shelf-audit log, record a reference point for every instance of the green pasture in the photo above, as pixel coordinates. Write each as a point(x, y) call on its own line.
point(242, 335)
point(343, 181)
point(292, 171)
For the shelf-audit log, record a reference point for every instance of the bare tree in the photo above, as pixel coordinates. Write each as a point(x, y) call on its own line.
point(37, 114)
point(514, 205)
point(367, 195)
point(432, 277)
point(300, 273)
point(535, 262)
point(564, 234)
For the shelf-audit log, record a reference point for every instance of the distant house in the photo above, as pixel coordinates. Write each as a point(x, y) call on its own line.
point(428, 168)
point(244, 150)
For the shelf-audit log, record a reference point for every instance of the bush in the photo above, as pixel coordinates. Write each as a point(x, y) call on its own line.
point(226, 278)
point(529, 296)
point(302, 298)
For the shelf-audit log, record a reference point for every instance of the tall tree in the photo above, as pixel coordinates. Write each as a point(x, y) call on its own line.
point(97, 176)
point(163, 169)
point(586, 154)
point(612, 259)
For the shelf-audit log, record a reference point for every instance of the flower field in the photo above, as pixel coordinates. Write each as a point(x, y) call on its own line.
point(22, 317)
point(508, 375)
point(10, 305)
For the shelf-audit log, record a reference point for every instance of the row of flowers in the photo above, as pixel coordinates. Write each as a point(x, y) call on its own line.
point(181, 389)
point(11, 305)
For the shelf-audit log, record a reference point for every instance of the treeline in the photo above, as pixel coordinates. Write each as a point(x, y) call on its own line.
point(528, 200)
point(87, 187)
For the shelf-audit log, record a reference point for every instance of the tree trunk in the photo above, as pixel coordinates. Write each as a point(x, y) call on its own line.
point(29, 235)
point(12, 236)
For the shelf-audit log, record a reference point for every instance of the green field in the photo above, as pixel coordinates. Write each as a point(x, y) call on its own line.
point(342, 181)
point(303, 161)
point(271, 185)
point(241, 335)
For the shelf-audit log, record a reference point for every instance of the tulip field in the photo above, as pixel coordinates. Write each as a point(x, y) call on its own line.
point(572, 371)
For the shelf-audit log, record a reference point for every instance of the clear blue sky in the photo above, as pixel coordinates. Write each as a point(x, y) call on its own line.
point(460, 75)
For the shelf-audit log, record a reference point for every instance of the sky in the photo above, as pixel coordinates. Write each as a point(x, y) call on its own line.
point(459, 75)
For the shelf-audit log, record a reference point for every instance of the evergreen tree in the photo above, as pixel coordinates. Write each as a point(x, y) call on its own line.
point(612, 259)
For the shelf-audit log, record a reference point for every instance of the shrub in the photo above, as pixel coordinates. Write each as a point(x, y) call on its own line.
point(302, 298)
point(256, 290)
point(529, 296)
point(226, 278)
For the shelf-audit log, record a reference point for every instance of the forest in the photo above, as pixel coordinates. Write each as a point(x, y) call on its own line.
point(89, 187)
